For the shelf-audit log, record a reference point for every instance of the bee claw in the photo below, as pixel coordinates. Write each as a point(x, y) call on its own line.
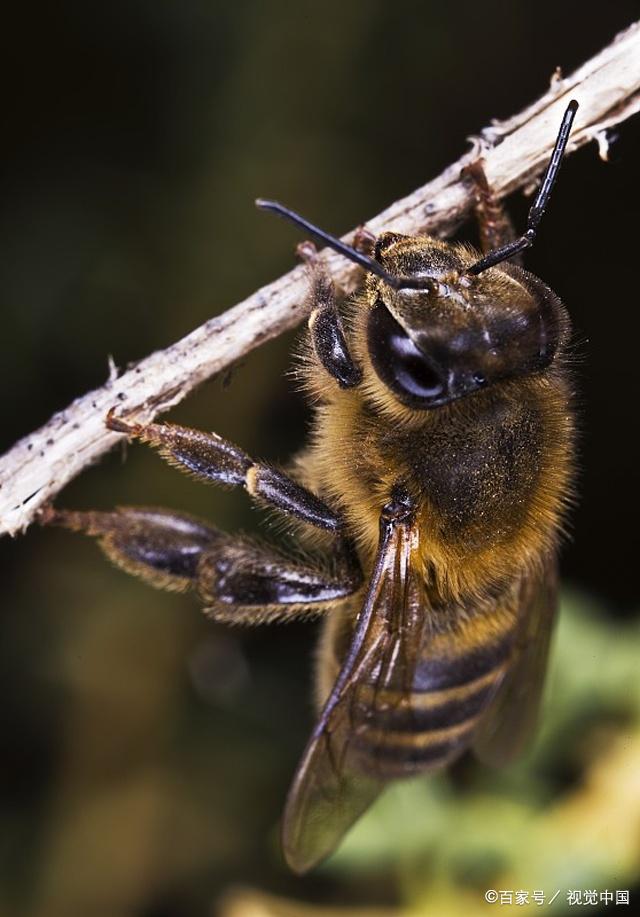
point(307, 252)
point(47, 514)
point(364, 240)
point(120, 425)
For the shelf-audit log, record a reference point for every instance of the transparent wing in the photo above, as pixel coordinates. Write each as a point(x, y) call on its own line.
point(512, 716)
point(336, 780)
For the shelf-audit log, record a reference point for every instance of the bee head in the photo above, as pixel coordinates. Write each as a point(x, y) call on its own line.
point(444, 322)
point(461, 332)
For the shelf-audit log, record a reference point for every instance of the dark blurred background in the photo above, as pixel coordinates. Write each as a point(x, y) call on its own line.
point(145, 752)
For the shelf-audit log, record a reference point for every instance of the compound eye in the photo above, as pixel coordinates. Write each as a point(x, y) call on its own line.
point(403, 368)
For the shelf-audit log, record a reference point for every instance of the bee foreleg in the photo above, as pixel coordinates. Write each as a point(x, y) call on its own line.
point(327, 333)
point(494, 223)
point(212, 459)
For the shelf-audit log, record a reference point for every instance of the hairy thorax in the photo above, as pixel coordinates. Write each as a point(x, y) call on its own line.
point(489, 473)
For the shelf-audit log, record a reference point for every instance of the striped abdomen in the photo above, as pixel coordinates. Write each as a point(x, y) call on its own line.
point(400, 731)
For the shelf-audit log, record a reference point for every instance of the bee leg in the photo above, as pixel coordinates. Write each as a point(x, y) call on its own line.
point(158, 545)
point(212, 459)
point(494, 223)
point(325, 325)
point(364, 241)
point(248, 582)
point(238, 579)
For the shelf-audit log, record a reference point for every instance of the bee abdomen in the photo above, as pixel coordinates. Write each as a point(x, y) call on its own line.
point(403, 732)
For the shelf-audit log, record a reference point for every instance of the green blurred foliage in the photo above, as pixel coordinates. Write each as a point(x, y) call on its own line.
point(146, 753)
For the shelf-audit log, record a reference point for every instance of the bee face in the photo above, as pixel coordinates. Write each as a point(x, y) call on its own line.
point(464, 333)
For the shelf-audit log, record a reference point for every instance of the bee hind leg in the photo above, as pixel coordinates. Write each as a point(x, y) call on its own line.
point(249, 582)
point(239, 580)
point(160, 546)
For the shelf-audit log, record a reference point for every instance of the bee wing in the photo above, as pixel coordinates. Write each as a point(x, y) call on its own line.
point(330, 789)
point(512, 716)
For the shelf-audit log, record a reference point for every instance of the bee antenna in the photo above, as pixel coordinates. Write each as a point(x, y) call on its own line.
point(369, 264)
point(539, 205)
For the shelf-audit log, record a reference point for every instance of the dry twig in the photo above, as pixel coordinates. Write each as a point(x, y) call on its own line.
point(514, 152)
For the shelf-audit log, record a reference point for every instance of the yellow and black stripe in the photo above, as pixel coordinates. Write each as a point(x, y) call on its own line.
point(401, 732)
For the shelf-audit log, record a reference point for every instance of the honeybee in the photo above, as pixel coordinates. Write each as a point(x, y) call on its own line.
point(438, 475)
